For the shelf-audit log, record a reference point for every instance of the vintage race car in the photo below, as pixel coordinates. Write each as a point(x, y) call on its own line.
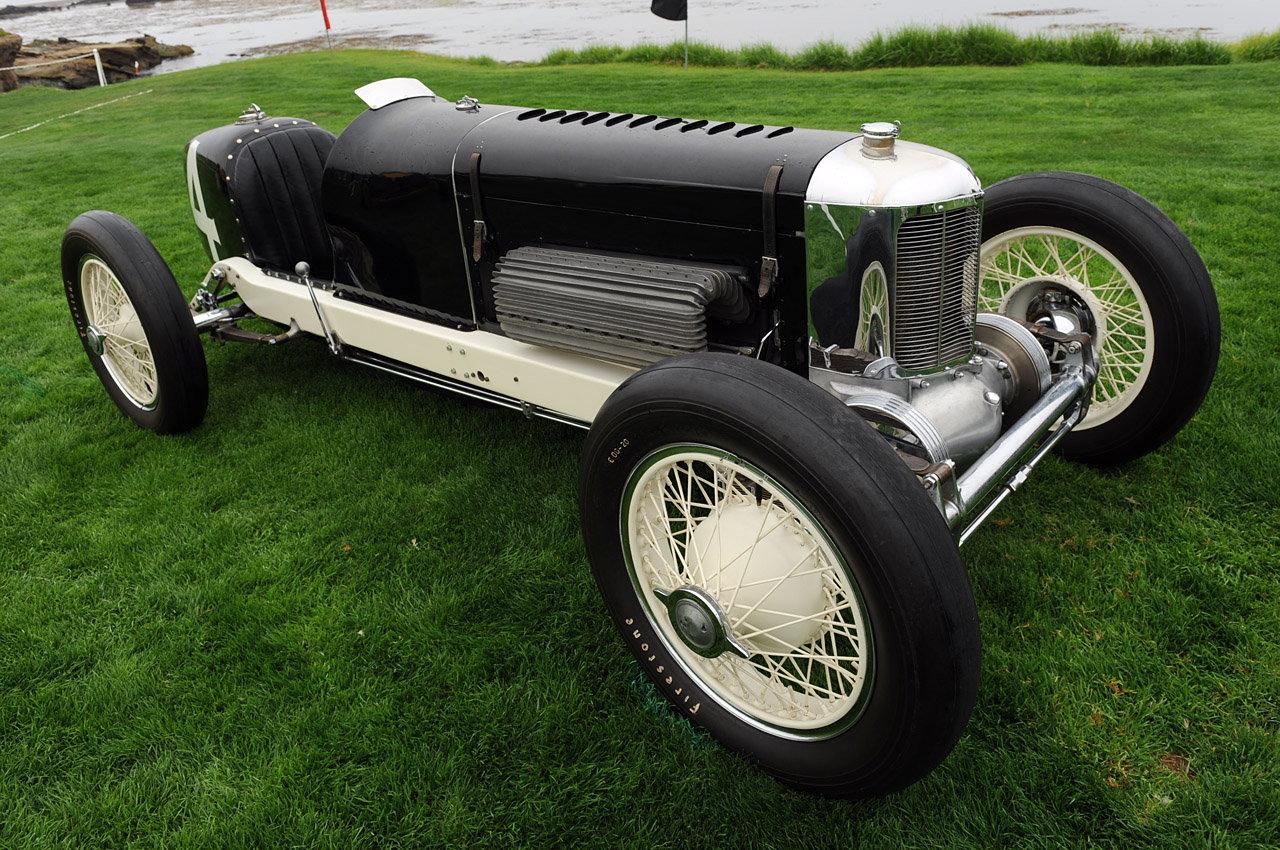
point(810, 363)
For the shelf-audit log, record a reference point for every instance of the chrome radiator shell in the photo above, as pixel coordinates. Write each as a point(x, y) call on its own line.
point(892, 254)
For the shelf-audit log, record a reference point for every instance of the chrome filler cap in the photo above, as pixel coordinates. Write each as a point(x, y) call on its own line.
point(878, 137)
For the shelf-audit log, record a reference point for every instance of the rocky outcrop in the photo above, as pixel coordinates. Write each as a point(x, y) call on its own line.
point(12, 11)
point(19, 11)
point(118, 61)
point(9, 47)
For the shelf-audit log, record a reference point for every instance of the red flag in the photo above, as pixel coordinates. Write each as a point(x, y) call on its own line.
point(326, 15)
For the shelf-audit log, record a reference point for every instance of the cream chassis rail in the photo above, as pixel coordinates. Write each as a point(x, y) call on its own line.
point(562, 386)
point(571, 389)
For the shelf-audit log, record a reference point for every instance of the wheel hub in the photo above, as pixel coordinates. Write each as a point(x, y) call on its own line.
point(700, 622)
point(97, 339)
point(695, 624)
point(764, 571)
point(1062, 311)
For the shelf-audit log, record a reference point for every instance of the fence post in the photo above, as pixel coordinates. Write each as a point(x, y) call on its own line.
point(102, 78)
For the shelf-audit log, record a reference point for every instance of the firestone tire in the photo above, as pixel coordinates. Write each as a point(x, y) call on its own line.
point(779, 574)
point(1157, 327)
point(134, 324)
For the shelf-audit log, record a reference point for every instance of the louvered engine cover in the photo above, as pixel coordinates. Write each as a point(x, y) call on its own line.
point(625, 309)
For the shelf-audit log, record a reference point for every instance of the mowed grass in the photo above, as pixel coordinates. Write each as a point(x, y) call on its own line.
point(349, 612)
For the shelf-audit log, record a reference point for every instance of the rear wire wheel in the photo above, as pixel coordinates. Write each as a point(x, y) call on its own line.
point(134, 323)
point(780, 574)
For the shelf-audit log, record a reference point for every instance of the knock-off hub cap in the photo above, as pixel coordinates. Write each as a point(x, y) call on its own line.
point(700, 622)
point(97, 340)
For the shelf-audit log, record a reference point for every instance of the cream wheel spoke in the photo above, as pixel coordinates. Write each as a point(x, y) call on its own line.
point(1077, 265)
point(1020, 263)
point(1006, 277)
point(750, 550)
point(668, 535)
point(1023, 257)
point(134, 363)
point(126, 352)
point(777, 582)
point(819, 616)
point(760, 583)
point(763, 573)
point(781, 676)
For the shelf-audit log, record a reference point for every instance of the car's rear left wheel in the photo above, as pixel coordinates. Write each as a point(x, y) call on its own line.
point(134, 323)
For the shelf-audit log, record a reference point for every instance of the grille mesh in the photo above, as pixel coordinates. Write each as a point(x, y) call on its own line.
point(936, 288)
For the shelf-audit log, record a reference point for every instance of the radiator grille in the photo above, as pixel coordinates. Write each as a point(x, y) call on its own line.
point(936, 289)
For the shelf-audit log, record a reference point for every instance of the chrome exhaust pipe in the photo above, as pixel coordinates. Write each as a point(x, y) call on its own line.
point(1010, 459)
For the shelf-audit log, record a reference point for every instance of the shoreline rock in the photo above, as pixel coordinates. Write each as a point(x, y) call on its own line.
point(9, 47)
point(118, 60)
point(21, 11)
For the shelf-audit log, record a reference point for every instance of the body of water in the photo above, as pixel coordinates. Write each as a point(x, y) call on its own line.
point(508, 30)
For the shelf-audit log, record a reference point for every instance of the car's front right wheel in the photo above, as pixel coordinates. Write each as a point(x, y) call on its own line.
point(1080, 253)
point(780, 574)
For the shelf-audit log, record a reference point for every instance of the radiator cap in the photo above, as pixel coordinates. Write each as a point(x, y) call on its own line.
point(878, 137)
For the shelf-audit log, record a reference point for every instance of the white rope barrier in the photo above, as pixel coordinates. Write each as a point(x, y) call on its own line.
point(42, 64)
point(77, 112)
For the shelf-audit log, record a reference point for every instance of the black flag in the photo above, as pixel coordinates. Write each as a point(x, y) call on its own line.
point(672, 10)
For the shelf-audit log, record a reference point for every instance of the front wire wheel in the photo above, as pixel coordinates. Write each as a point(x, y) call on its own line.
point(1020, 264)
point(780, 574)
point(1084, 254)
point(778, 633)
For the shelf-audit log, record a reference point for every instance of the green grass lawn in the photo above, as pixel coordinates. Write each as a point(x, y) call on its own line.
point(350, 612)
